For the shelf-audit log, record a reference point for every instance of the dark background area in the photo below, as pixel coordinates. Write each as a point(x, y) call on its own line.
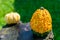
point(27, 7)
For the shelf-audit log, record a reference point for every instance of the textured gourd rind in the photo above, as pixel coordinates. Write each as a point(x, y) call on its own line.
point(41, 21)
point(12, 18)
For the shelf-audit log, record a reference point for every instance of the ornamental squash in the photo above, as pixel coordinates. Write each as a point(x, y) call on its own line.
point(12, 18)
point(10, 29)
point(41, 21)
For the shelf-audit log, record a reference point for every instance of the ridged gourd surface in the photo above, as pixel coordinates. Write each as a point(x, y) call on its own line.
point(12, 18)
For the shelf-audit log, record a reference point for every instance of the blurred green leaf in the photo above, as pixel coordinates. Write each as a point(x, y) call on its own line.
point(6, 6)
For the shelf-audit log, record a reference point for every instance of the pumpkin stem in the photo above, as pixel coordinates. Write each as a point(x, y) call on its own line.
point(42, 8)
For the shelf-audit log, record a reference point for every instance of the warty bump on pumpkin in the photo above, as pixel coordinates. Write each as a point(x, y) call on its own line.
point(41, 21)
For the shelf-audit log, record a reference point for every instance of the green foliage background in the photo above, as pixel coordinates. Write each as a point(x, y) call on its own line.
point(5, 7)
point(27, 7)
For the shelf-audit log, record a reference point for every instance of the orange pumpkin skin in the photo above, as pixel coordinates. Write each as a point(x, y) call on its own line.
point(41, 21)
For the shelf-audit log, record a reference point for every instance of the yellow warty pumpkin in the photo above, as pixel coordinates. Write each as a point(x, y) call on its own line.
point(12, 17)
point(41, 21)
